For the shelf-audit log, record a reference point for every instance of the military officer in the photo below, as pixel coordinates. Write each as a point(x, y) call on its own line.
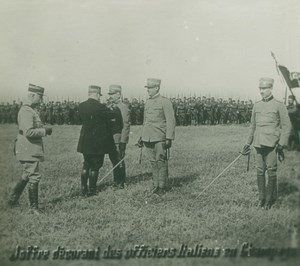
point(120, 138)
point(269, 132)
point(96, 138)
point(29, 146)
point(157, 133)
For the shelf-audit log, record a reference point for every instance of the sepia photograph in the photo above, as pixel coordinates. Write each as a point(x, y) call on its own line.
point(149, 132)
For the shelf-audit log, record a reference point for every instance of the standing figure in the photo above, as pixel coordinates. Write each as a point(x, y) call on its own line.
point(269, 133)
point(120, 138)
point(95, 140)
point(157, 133)
point(29, 147)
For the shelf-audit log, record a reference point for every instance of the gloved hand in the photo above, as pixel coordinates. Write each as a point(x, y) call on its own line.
point(246, 150)
point(122, 148)
point(140, 143)
point(167, 144)
point(279, 151)
point(48, 130)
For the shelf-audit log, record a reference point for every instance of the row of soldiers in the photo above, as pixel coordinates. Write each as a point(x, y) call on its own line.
point(188, 111)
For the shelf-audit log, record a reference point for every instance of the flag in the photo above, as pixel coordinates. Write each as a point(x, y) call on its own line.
point(291, 79)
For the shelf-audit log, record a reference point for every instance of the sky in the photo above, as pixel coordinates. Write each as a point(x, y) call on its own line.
point(197, 47)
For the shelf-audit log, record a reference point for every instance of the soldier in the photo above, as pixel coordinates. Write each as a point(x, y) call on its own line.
point(242, 110)
point(121, 138)
point(157, 133)
point(180, 113)
point(294, 114)
point(95, 139)
point(29, 147)
point(269, 132)
point(14, 112)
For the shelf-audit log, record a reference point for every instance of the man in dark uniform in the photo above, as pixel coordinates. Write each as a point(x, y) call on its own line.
point(269, 132)
point(96, 138)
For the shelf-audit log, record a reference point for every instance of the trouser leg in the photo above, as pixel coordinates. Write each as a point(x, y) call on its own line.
point(261, 179)
point(271, 161)
point(93, 162)
point(119, 172)
point(150, 151)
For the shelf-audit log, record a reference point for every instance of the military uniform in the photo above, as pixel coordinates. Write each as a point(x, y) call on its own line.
point(95, 140)
point(270, 126)
point(120, 138)
point(29, 149)
point(159, 126)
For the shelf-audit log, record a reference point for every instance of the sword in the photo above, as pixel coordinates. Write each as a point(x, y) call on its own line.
point(107, 174)
point(218, 176)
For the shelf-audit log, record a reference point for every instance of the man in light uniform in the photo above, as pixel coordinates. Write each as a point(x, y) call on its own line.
point(29, 146)
point(157, 133)
point(120, 139)
point(269, 133)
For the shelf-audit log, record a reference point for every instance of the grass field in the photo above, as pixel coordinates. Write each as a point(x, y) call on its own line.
point(224, 216)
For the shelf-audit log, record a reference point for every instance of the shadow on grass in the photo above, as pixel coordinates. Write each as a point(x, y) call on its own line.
point(183, 180)
point(173, 182)
point(286, 188)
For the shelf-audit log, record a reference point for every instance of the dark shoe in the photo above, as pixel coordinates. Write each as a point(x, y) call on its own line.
point(16, 193)
point(118, 186)
point(33, 192)
point(162, 191)
point(269, 205)
point(93, 177)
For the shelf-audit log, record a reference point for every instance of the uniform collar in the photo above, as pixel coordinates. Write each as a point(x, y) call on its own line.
point(268, 99)
point(155, 96)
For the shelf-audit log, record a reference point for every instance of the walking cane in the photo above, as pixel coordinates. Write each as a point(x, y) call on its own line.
point(141, 154)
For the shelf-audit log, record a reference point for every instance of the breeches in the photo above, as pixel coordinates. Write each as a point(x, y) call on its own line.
point(31, 171)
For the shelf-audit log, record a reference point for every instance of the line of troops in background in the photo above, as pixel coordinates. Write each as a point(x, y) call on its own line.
point(188, 111)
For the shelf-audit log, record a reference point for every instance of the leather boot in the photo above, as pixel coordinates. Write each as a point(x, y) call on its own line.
point(33, 192)
point(93, 177)
point(261, 184)
point(84, 180)
point(154, 174)
point(271, 191)
point(162, 175)
point(16, 192)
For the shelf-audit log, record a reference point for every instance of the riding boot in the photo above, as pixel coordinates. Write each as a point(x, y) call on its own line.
point(33, 192)
point(16, 192)
point(155, 175)
point(162, 174)
point(271, 191)
point(261, 184)
point(93, 177)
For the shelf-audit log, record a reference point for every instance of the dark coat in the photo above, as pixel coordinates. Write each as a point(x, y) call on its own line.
point(96, 136)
